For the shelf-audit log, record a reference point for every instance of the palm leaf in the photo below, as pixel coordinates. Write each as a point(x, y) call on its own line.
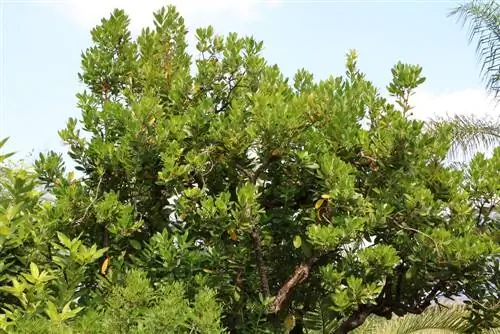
point(484, 26)
point(434, 320)
point(320, 321)
point(469, 133)
point(492, 331)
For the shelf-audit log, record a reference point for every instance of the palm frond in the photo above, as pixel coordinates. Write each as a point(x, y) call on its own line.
point(320, 321)
point(434, 320)
point(492, 331)
point(484, 25)
point(470, 133)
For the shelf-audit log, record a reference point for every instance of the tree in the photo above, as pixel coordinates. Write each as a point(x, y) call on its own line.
point(484, 27)
point(471, 132)
point(44, 275)
point(274, 201)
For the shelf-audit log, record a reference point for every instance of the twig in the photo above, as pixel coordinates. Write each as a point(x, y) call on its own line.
point(422, 233)
point(250, 176)
point(480, 213)
point(228, 99)
point(92, 202)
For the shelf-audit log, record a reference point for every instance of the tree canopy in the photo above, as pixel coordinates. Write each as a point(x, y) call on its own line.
point(216, 195)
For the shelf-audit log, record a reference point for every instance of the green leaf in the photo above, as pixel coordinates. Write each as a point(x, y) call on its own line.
point(64, 240)
point(34, 270)
point(135, 244)
point(297, 241)
point(51, 311)
point(312, 165)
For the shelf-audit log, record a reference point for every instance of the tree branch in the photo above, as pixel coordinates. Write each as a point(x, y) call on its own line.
point(385, 306)
point(228, 100)
point(261, 265)
point(300, 274)
point(481, 207)
point(355, 320)
point(422, 233)
point(401, 273)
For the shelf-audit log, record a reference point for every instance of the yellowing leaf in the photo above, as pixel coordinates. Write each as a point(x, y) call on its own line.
point(297, 241)
point(105, 265)
point(232, 234)
point(208, 271)
point(325, 196)
point(319, 203)
point(289, 323)
point(4, 230)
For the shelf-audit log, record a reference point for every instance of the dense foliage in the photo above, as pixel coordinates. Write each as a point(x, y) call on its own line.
point(215, 195)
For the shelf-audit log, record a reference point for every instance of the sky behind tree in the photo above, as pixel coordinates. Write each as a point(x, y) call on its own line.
point(41, 44)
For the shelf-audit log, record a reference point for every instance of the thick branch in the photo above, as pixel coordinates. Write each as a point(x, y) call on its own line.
point(385, 306)
point(300, 275)
point(355, 320)
point(261, 265)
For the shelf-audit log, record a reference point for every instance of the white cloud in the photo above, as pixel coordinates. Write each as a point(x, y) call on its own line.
point(474, 101)
point(88, 13)
point(465, 102)
point(468, 102)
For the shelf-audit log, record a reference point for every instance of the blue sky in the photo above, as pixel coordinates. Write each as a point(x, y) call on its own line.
point(42, 42)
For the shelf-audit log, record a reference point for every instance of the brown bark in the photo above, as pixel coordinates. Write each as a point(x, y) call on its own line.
point(261, 265)
point(355, 320)
point(300, 274)
point(385, 307)
point(105, 238)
